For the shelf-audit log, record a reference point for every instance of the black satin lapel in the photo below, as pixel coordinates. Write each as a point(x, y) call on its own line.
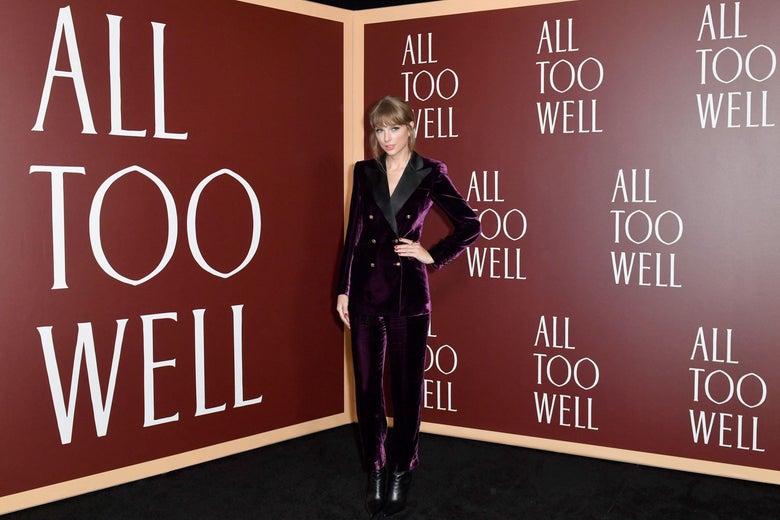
point(381, 194)
point(410, 180)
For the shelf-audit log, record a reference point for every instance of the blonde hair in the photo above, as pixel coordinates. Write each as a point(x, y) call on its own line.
point(390, 111)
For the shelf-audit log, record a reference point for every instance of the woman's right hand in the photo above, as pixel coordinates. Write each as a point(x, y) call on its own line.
point(342, 305)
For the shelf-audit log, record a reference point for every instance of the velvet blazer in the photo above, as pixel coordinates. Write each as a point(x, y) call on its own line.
point(373, 276)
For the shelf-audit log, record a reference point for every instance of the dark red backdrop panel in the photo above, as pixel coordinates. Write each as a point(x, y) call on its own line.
point(221, 87)
point(621, 156)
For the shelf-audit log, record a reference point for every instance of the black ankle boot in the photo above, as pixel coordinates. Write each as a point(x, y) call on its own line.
point(396, 495)
point(375, 492)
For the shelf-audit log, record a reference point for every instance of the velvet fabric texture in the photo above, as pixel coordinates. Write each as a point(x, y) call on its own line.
point(389, 298)
point(400, 340)
point(375, 278)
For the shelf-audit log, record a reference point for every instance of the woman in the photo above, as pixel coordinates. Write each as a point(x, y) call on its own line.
point(383, 294)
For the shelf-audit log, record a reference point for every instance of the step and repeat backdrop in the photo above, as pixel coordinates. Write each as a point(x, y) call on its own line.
point(169, 230)
point(622, 157)
point(172, 212)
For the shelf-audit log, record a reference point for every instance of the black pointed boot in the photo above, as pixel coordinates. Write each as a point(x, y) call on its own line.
point(375, 491)
point(396, 494)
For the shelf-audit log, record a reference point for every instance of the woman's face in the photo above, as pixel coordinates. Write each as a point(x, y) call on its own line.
point(393, 139)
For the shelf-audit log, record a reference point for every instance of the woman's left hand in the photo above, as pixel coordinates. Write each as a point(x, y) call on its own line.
point(411, 249)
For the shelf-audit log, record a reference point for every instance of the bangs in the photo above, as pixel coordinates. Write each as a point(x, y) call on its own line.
point(390, 111)
point(389, 118)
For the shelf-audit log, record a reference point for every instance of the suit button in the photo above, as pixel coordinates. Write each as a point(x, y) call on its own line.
point(371, 217)
point(373, 240)
point(408, 217)
point(373, 264)
point(398, 264)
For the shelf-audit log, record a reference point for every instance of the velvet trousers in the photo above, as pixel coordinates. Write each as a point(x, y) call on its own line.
point(399, 341)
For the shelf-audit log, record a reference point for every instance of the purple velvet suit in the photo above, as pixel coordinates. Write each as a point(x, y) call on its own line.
point(389, 299)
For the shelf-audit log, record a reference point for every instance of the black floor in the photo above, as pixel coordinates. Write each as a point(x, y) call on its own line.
point(319, 477)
